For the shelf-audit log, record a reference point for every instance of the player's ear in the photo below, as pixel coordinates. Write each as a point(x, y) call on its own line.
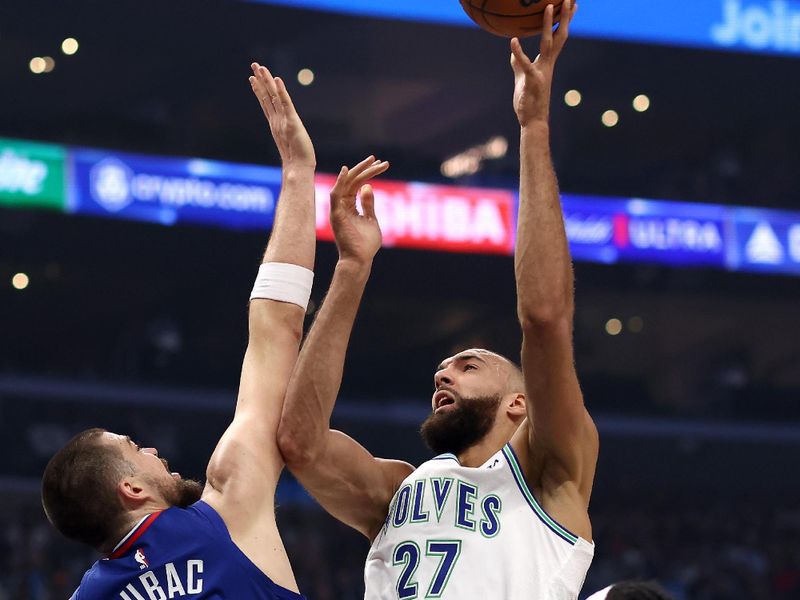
point(515, 406)
point(130, 490)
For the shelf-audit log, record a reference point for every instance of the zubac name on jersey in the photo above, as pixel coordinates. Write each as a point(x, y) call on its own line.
point(185, 579)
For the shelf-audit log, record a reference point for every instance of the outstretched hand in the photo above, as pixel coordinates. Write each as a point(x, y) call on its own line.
point(533, 79)
point(358, 236)
point(288, 131)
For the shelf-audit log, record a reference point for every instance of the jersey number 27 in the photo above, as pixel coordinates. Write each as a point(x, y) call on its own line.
point(408, 554)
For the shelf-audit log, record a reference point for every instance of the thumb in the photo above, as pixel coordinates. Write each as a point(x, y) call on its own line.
point(518, 57)
point(368, 201)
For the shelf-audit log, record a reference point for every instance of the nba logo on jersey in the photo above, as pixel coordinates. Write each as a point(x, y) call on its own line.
point(141, 559)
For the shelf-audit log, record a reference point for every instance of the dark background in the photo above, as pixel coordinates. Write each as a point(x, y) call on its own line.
point(142, 328)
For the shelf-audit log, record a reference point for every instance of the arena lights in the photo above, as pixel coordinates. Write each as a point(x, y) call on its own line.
point(610, 118)
point(305, 77)
point(613, 327)
point(470, 161)
point(20, 281)
point(636, 324)
point(37, 65)
point(69, 46)
point(641, 103)
point(573, 98)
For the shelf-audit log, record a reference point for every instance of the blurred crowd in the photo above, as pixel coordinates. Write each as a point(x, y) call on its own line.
point(706, 550)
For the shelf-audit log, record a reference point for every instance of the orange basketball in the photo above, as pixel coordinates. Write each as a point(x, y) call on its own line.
point(510, 18)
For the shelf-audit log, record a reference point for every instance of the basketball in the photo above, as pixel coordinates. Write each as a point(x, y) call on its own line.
point(510, 18)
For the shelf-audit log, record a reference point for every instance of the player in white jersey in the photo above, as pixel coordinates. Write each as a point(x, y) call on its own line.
point(502, 512)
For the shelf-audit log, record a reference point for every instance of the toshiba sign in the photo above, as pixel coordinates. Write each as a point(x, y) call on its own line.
point(433, 217)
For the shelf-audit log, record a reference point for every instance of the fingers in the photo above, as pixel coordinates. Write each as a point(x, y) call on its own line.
point(567, 13)
point(350, 181)
point(283, 96)
point(546, 44)
point(266, 90)
point(368, 201)
point(362, 166)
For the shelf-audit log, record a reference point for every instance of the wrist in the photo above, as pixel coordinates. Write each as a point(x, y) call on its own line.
point(298, 172)
point(536, 128)
point(354, 266)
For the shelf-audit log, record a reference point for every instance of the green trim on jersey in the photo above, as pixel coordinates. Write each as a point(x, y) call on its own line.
point(445, 456)
point(511, 457)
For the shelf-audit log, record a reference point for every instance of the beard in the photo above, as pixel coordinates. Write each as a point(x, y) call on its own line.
point(185, 493)
point(179, 492)
point(461, 427)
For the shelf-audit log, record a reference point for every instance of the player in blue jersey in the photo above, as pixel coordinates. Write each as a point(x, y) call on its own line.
point(166, 537)
point(502, 511)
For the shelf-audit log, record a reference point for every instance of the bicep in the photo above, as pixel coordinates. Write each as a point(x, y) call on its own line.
point(561, 433)
point(351, 484)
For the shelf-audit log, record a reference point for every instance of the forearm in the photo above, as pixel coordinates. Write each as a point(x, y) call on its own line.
point(542, 261)
point(293, 236)
point(293, 241)
point(315, 382)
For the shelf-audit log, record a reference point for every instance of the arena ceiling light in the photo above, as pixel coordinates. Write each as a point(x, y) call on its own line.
point(20, 281)
point(471, 160)
point(305, 77)
point(641, 103)
point(573, 98)
point(69, 46)
point(37, 65)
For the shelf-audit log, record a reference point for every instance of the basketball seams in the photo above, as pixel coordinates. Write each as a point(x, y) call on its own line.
point(482, 9)
point(508, 25)
point(485, 14)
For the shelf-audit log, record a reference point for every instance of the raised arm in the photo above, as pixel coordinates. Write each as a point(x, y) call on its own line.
point(559, 441)
point(243, 472)
point(342, 475)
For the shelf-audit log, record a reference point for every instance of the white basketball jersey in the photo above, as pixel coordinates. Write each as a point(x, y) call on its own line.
point(462, 533)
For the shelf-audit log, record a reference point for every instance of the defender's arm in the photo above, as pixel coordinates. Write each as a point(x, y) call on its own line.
point(243, 472)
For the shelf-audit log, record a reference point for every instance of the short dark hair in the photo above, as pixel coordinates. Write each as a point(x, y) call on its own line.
point(638, 590)
point(79, 489)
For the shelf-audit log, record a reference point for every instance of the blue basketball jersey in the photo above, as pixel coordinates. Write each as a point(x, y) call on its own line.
point(179, 553)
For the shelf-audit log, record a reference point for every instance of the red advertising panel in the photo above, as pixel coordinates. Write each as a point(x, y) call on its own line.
point(433, 217)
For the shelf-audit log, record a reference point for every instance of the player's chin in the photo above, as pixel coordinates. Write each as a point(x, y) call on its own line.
point(186, 492)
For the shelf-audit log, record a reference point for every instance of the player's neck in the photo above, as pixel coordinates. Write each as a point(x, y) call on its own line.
point(476, 455)
point(132, 519)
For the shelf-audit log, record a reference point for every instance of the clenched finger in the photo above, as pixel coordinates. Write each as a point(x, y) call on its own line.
point(368, 201)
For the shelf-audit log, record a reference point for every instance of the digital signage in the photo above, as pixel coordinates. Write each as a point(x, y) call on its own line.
point(771, 26)
point(31, 174)
point(416, 215)
point(173, 190)
point(434, 217)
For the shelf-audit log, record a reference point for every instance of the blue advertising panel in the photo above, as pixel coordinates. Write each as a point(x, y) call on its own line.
point(771, 26)
point(172, 190)
point(675, 233)
point(599, 229)
point(766, 241)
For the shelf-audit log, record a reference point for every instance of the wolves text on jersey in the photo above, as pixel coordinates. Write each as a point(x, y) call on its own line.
point(424, 499)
